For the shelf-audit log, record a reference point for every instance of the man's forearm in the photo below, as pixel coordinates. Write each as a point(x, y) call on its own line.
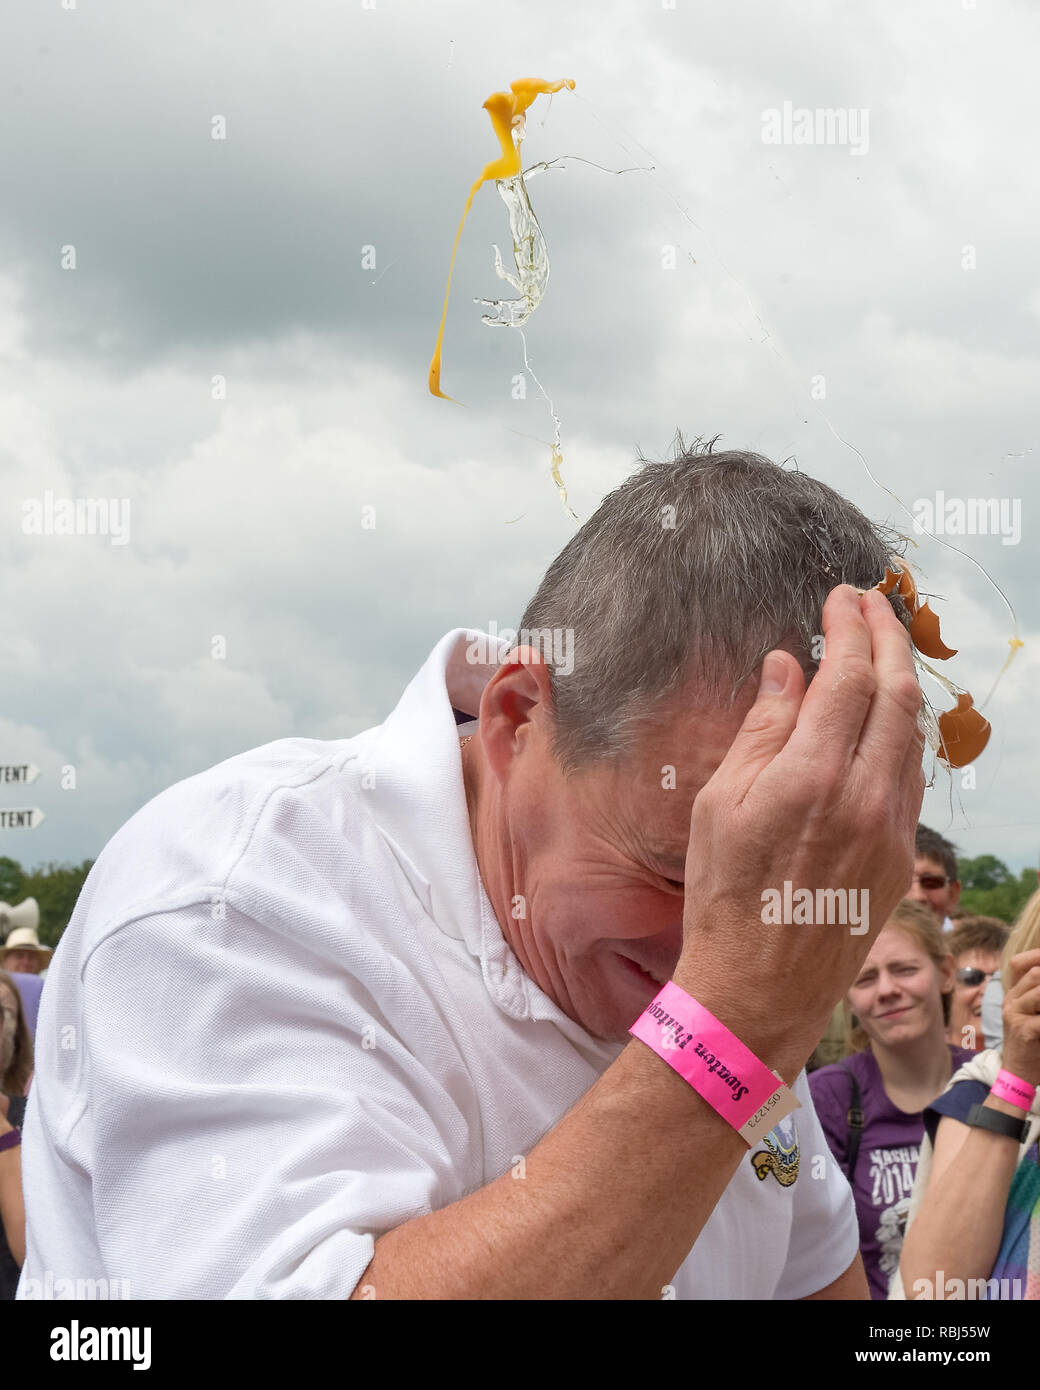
point(612, 1200)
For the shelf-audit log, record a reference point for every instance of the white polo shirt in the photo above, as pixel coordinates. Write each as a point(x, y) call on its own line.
point(284, 1020)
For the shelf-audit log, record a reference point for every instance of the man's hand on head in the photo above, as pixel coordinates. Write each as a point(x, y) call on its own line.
point(820, 790)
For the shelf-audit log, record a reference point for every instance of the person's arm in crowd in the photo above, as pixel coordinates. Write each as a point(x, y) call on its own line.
point(824, 789)
point(961, 1218)
point(12, 1205)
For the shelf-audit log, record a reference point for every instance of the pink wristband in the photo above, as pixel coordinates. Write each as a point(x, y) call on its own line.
point(1013, 1090)
point(717, 1065)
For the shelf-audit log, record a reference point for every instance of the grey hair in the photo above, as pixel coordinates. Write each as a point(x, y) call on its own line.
point(693, 569)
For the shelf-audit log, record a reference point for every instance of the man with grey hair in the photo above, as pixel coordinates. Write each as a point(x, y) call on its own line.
point(365, 1005)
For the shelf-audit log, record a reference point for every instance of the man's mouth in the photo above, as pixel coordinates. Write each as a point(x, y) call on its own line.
point(648, 976)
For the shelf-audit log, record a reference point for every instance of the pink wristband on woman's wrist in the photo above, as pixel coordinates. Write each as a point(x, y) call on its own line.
point(717, 1065)
point(1013, 1089)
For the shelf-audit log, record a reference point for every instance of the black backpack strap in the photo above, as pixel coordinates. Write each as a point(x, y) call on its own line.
point(855, 1121)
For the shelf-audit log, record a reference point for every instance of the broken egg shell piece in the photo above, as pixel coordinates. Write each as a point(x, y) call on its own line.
point(964, 732)
point(924, 624)
point(924, 632)
point(901, 581)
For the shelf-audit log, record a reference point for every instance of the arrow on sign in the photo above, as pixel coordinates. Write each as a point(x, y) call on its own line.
point(27, 818)
point(22, 773)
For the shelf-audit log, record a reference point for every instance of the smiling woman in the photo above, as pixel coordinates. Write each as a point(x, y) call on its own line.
point(871, 1106)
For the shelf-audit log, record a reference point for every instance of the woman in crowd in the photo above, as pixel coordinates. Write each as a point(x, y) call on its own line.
point(975, 1208)
point(871, 1104)
point(16, 1064)
point(977, 945)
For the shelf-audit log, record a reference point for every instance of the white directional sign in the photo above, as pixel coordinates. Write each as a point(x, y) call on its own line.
point(22, 818)
point(22, 773)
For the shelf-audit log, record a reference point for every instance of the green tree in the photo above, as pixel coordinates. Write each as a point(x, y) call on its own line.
point(982, 874)
point(56, 888)
point(1004, 898)
point(12, 881)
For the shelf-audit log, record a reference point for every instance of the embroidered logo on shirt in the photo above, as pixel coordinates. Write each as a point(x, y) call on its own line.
point(781, 1155)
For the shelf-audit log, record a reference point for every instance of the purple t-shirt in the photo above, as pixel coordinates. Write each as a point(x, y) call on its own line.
point(890, 1145)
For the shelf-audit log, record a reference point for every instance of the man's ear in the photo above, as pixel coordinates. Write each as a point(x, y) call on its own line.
point(516, 708)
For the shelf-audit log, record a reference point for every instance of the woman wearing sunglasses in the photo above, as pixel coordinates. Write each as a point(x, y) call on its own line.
point(976, 945)
point(871, 1104)
point(975, 1208)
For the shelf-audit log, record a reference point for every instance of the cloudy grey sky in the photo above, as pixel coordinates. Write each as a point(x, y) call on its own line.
point(904, 275)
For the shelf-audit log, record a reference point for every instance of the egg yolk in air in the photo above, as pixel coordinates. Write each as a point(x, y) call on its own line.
point(505, 110)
